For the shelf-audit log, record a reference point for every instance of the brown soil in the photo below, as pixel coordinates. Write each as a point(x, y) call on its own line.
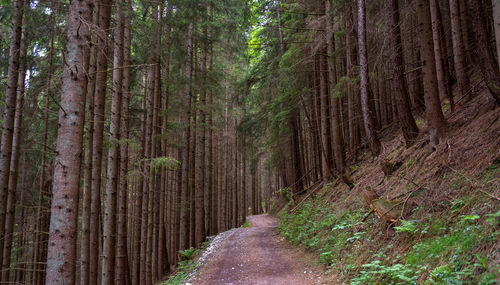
point(258, 255)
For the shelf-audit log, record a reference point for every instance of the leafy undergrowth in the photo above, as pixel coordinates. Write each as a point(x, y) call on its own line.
point(448, 231)
point(184, 267)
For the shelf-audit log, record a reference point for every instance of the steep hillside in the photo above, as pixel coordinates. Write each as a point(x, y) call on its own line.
point(438, 216)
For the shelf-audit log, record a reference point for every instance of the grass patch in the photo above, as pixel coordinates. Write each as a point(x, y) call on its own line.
point(184, 267)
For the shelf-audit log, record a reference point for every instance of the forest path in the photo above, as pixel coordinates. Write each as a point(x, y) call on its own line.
point(257, 255)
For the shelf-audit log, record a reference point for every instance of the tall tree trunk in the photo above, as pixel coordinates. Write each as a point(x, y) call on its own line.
point(436, 23)
point(408, 125)
point(36, 268)
point(14, 163)
point(487, 63)
point(280, 30)
point(109, 226)
point(368, 116)
point(146, 168)
point(87, 174)
point(244, 206)
point(235, 175)
point(136, 266)
point(496, 22)
point(61, 257)
point(352, 94)
point(9, 114)
point(162, 253)
point(122, 274)
point(432, 104)
point(212, 158)
point(338, 141)
point(200, 150)
point(23, 237)
point(464, 26)
point(184, 214)
point(458, 48)
point(325, 119)
point(97, 144)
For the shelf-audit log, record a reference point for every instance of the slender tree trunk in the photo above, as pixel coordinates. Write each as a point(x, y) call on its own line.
point(487, 63)
point(353, 116)
point(496, 22)
point(408, 125)
point(432, 104)
point(87, 174)
point(200, 150)
point(464, 26)
point(14, 163)
point(23, 237)
point(444, 47)
point(147, 168)
point(97, 144)
point(368, 116)
point(136, 266)
point(338, 141)
point(192, 155)
point(61, 257)
point(212, 158)
point(458, 49)
point(122, 275)
point(162, 253)
point(184, 214)
point(437, 49)
point(109, 226)
point(235, 174)
point(9, 114)
point(280, 30)
point(325, 118)
point(244, 206)
point(36, 268)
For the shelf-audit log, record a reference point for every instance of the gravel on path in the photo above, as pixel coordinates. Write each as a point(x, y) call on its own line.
point(256, 255)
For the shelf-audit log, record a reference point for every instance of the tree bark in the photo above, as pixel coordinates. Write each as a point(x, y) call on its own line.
point(338, 141)
point(109, 226)
point(162, 252)
point(408, 125)
point(368, 116)
point(97, 145)
point(8, 115)
point(14, 163)
point(200, 149)
point(122, 274)
point(61, 257)
point(436, 23)
point(352, 93)
point(487, 63)
point(433, 110)
point(212, 158)
point(458, 49)
point(184, 214)
point(326, 163)
point(136, 265)
point(87, 171)
point(496, 22)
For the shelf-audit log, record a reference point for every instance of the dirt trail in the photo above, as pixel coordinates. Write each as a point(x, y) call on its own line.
point(257, 255)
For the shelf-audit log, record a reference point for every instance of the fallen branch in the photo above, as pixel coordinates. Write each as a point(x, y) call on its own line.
point(307, 196)
point(366, 217)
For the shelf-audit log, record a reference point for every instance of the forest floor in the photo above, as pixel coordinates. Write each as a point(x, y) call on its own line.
point(257, 255)
point(446, 204)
